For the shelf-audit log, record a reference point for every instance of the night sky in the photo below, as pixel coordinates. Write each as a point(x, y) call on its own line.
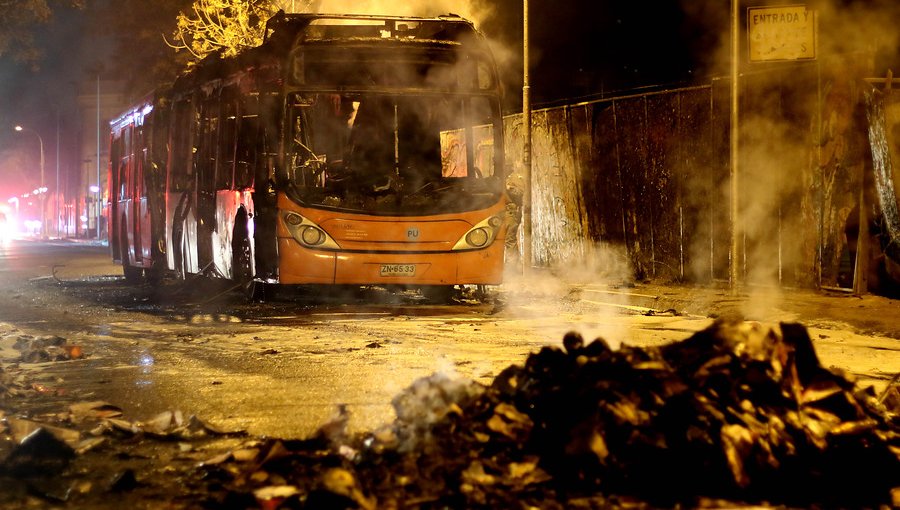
point(578, 48)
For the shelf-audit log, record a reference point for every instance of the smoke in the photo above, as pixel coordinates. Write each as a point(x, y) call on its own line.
point(843, 27)
point(847, 27)
point(590, 296)
point(778, 134)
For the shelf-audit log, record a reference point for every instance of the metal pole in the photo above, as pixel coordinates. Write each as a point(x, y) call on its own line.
point(735, 17)
point(526, 147)
point(41, 190)
point(56, 190)
point(97, 202)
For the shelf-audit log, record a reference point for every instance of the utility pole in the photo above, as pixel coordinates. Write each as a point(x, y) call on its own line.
point(97, 202)
point(42, 190)
point(56, 190)
point(526, 148)
point(735, 135)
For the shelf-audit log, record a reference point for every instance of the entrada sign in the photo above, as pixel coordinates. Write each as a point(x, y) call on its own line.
point(786, 32)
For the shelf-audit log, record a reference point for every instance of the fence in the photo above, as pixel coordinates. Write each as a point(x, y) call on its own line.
point(647, 176)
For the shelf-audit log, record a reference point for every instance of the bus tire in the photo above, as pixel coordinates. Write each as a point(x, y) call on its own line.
point(242, 258)
point(179, 251)
point(133, 275)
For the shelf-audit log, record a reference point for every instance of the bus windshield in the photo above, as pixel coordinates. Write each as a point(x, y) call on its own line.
point(391, 154)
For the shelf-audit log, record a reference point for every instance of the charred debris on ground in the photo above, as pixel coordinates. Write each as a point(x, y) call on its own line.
point(736, 414)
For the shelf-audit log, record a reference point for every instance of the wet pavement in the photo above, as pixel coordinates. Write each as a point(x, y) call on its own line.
point(280, 368)
point(283, 368)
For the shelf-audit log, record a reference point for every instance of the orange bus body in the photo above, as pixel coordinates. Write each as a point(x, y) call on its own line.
point(345, 150)
point(391, 250)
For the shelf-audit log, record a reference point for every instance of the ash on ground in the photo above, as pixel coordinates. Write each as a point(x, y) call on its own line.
point(736, 414)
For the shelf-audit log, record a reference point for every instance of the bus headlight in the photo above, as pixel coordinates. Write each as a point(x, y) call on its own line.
point(293, 219)
point(478, 237)
point(481, 235)
point(312, 236)
point(308, 233)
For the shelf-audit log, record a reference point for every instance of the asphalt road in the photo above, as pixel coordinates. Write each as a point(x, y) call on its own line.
point(281, 368)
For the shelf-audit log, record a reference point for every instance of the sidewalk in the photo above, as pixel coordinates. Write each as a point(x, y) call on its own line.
point(866, 314)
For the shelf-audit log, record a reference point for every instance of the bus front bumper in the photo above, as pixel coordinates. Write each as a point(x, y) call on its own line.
point(300, 265)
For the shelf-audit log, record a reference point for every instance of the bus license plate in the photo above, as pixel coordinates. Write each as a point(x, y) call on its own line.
point(398, 270)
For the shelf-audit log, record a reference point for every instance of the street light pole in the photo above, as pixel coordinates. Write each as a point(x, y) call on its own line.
point(56, 190)
point(42, 190)
point(97, 202)
point(526, 147)
point(734, 273)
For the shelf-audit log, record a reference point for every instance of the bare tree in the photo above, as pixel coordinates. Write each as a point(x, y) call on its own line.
point(228, 26)
point(224, 26)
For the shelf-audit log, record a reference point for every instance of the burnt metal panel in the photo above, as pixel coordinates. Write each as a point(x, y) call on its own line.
point(719, 181)
point(662, 191)
point(841, 162)
point(580, 132)
point(556, 213)
point(694, 168)
point(631, 128)
point(605, 206)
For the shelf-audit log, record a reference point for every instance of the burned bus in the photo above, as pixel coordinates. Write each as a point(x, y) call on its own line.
point(344, 150)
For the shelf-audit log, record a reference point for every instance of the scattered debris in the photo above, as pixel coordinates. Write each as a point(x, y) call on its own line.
point(45, 348)
point(669, 312)
point(123, 481)
point(736, 413)
point(81, 411)
point(20, 429)
point(166, 425)
point(40, 453)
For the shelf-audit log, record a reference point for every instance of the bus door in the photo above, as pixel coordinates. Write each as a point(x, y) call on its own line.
point(125, 192)
point(121, 209)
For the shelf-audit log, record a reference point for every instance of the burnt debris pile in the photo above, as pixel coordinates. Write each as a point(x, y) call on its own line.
point(737, 412)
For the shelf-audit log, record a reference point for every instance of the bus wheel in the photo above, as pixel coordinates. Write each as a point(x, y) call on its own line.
point(242, 265)
point(132, 274)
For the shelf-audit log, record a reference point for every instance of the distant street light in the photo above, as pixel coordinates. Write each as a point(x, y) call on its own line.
point(42, 188)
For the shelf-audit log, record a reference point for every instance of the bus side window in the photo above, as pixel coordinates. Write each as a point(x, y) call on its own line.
point(180, 166)
point(127, 177)
point(245, 153)
point(267, 165)
point(227, 145)
point(115, 159)
point(207, 157)
point(123, 178)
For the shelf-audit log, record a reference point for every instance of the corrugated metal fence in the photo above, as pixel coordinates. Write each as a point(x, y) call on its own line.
point(647, 175)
